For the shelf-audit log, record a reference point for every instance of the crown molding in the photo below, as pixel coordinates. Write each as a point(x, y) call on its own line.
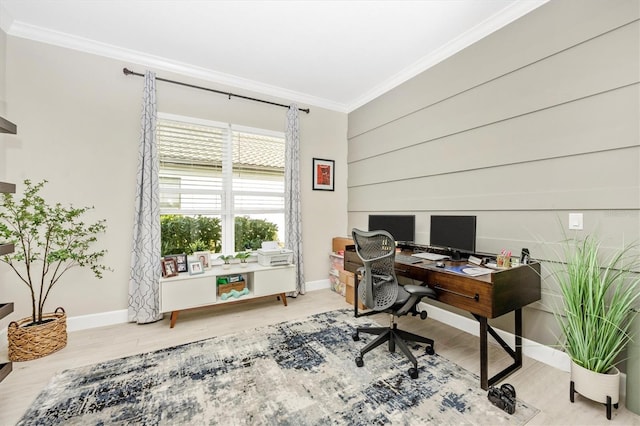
point(6, 20)
point(47, 36)
point(20, 29)
point(507, 15)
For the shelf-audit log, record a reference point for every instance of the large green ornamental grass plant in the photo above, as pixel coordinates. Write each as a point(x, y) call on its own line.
point(49, 240)
point(599, 293)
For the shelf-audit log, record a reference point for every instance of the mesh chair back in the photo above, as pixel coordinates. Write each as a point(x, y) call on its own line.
point(378, 289)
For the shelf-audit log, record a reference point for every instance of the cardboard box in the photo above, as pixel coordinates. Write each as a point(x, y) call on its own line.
point(349, 296)
point(345, 276)
point(338, 244)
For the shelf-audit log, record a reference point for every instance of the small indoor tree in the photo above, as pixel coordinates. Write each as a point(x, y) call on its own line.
point(49, 240)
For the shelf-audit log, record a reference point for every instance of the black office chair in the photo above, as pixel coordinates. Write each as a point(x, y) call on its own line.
point(379, 290)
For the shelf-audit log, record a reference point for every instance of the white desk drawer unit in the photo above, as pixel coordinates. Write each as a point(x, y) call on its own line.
point(193, 291)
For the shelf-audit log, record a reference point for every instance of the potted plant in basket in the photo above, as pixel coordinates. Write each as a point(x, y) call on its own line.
point(48, 241)
point(598, 293)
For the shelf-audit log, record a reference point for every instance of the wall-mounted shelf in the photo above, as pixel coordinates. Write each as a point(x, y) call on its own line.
point(5, 367)
point(5, 309)
point(7, 188)
point(7, 127)
point(6, 249)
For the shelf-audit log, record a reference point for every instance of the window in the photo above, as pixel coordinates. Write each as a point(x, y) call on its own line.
point(222, 175)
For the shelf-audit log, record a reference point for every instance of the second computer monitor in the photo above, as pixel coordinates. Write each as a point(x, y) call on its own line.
point(455, 233)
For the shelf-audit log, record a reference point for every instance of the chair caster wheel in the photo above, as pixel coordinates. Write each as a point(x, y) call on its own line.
point(355, 336)
point(429, 350)
point(413, 373)
point(359, 361)
point(423, 315)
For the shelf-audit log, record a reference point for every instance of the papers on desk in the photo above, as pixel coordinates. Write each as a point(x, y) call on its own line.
point(472, 271)
point(430, 256)
point(477, 271)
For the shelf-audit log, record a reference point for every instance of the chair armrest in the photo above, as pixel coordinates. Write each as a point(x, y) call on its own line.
point(420, 291)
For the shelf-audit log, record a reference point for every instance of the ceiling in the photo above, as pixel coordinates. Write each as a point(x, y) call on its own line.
point(331, 54)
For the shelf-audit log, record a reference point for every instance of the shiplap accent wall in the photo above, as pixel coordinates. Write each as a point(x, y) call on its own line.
point(537, 120)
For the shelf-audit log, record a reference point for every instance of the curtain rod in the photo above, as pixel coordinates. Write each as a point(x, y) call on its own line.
point(127, 71)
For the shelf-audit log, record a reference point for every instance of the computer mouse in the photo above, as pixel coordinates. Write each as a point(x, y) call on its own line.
point(439, 264)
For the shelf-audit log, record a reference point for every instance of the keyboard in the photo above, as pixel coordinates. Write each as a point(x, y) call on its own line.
point(430, 256)
point(403, 258)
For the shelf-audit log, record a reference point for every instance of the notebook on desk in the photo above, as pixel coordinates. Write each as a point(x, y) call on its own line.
point(470, 270)
point(430, 256)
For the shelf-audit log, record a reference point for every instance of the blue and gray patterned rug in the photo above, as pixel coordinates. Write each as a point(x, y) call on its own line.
point(293, 373)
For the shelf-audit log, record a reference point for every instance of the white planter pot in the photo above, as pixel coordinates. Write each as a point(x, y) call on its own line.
point(599, 387)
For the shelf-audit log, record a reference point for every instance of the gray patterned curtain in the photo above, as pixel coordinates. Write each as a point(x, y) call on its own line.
point(293, 213)
point(144, 282)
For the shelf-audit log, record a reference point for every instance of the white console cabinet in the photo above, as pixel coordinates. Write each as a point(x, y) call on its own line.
point(186, 291)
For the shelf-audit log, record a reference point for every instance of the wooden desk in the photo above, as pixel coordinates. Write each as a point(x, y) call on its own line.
point(485, 296)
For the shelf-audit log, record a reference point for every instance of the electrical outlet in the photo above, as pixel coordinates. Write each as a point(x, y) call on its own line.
point(575, 221)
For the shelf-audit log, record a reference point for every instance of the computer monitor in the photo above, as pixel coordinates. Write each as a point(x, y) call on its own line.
point(455, 233)
point(402, 227)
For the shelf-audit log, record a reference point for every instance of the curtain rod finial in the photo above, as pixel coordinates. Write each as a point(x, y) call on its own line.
point(125, 71)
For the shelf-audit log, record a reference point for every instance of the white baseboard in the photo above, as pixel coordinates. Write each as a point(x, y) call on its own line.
point(539, 352)
point(84, 322)
point(318, 285)
point(542, 353)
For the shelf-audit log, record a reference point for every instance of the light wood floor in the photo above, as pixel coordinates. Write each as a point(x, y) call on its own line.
point(536, 383)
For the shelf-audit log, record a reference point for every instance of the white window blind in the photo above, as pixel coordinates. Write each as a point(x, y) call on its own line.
point(217, 169)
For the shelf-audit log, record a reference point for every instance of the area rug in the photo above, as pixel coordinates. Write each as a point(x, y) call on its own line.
point(293, 373)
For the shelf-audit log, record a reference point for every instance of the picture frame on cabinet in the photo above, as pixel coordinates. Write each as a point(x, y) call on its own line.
point(204, 258)
point(169, 268)
point(195, 267)
point(181, 261)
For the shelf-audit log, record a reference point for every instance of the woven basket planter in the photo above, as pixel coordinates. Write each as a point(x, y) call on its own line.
point(36, 341)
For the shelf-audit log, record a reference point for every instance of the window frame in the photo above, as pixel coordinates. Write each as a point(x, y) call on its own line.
point(228, 211)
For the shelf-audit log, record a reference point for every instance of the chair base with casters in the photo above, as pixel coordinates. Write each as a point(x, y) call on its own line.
point(395, 336)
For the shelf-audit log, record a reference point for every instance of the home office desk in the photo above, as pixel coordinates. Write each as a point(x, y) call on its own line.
point(485, 296)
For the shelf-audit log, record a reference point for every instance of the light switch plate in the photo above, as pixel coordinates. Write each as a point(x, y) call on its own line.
point(575, 221)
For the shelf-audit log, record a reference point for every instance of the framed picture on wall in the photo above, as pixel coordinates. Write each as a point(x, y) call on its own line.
point(323, 174)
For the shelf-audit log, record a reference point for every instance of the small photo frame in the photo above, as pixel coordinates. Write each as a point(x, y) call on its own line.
point(323, 174)
point(195, 267)
point(169, 268)
point(181, 261)
point(204, 257)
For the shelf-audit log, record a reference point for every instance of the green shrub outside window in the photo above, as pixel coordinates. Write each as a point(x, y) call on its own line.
point(186, 234)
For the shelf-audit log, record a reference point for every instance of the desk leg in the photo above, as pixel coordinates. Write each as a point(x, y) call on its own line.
point(355, 295)
point(518, 327)
point(484, 353)
point(516, 355)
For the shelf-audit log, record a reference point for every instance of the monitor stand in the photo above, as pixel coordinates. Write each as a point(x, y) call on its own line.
point(455, 255)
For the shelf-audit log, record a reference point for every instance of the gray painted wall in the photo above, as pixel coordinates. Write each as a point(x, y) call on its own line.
point(535, 121)
point(78, 123)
